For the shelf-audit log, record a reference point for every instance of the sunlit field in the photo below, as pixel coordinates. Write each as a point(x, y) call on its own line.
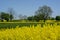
point(29, 20)
point(31, 33)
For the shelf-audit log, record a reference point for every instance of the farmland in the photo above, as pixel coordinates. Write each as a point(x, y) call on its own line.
point(29, 20)
point(30, 30)
point(31, 33)
point(14, 24)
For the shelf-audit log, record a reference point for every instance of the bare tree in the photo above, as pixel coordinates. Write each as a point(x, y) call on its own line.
point(11, 13)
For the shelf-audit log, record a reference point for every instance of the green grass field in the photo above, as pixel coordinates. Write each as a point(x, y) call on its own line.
point(14, 24)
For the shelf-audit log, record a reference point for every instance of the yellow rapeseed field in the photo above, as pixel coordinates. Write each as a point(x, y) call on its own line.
point(31, 33)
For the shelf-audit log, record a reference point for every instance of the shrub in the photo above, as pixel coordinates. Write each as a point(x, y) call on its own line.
point(57, 18)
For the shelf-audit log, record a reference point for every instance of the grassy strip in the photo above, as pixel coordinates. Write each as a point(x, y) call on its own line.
point(14, 24)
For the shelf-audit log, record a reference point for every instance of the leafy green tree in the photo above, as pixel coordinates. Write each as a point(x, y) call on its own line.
point(4, 16)
point(57, 18)
point(36, 18)
point(30, 18)
point(44, 12)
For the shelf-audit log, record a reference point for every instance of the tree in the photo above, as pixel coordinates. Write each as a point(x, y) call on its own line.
point(57, 18)
point(22, 16)
point(4, 16)
point(11, 17)
point(44, 12)
point(36, 18)
point(30, 18)
point(11, 13)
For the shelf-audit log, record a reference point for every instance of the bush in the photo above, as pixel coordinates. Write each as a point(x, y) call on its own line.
point(57, 18)
point(30, 18)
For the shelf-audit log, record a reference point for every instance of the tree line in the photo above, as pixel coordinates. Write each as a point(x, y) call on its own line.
point(43, 13)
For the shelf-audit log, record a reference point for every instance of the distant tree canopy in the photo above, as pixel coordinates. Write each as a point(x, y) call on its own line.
point(30, 18)
point(22, 16)
point(58, 18)
point(43, 12)
point(36, 18)
point(52, 18)
point(5, 16)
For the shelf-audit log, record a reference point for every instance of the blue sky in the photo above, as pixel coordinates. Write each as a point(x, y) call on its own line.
point(28, 7)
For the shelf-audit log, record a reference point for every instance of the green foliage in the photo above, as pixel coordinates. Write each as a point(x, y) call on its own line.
point(36, 18)
point(14, 24)
point(52, 18)
point(44, 12)
point(6, 16)
point(11, 17)
point(30, 18)
point(58, 18)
